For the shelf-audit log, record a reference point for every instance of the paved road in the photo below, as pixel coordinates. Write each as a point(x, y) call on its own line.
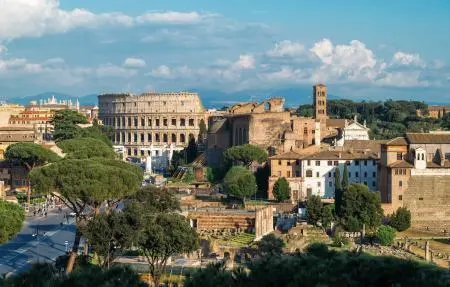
point(18, 254)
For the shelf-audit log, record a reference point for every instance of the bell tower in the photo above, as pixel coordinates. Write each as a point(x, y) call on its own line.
point(320, 102)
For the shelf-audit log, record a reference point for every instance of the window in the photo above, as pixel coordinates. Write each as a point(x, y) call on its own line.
point(123, 137)
point(149, 137)
point(305, 131)
point(142, 138)
point(129, 122)
point(365, 183)
point(149, 122)
point(297, 162)
point(157, 139)
point(191, 122)
point(317, 162)
point(356, 162)
point(182, 122)
point(400, 183)
point(309, 173)
point(142, 152)
point(399, 156)
point(365, 174)
point(165, 122)
point(135, 151)
point(357, 174)
point(157, 122)
point(129, 137)
point(329, 174)
point(135, 137)
point(297, 173)
point(336, 163)
point(174, 138)
point(396, 172)
point(330, 183)
point(374, 183)
point(347, 162)
point(288, 173)
point(400, 197)
point(374, 174)
point(279, 162)
point(365, 162)
point(288, 163)
point(309, 162)
point(330, 163)
point(135, 122)
point(182, 138)
point(420, 198)
point(174, 122)
point(318, 184)
point(317, 174)
point(374, 162)
point(143, 122)
point(349, 174)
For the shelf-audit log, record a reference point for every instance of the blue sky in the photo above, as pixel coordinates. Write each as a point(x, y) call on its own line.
point(360, 49)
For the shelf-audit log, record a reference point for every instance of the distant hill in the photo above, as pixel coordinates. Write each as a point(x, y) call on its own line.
point(210, 98)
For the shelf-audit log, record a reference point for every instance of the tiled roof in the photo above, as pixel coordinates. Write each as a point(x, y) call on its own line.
point(435, 165)
point(287, 155)
point(336, 123)
point(343, 155)
point(397, 141)
point(372, 145)
point(428, 138)
point(401, 164)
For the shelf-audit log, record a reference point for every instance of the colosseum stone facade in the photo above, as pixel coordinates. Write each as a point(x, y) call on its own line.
point(152, 122)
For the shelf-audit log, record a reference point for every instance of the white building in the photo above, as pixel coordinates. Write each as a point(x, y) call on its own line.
point(318, 170)
point(353, 131)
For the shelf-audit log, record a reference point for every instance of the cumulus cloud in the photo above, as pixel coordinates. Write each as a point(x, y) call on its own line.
point(161, 71)
point(401, 58)
point(244, 62)
point(286, 48)
point(34, 18)
point(134, 63)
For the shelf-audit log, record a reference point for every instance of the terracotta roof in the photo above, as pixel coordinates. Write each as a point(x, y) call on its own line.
point(342, 155)
point(397, 141)
point(372, 145)
point(287, 155)
point(428, 138)
point(401, 164)
point(435, 165)
point(336, 123)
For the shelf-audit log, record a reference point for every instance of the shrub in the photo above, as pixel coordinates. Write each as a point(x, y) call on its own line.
point(339, 240)
point(386, 235)
point(281, 189)
point(401, 219)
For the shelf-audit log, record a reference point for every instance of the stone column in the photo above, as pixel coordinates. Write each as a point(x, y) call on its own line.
point(406, 243)
point(427, 251)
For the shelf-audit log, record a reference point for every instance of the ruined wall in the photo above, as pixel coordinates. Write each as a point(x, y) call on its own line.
point(267, 129)
point(428, 199)
point(263, 221)
point(222, 220)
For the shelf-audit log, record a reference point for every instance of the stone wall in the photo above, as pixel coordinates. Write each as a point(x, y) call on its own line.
point(223, 220)
point(263, 221)
point(428, 199)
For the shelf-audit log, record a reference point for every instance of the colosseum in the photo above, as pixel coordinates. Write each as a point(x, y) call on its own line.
point(152, 123)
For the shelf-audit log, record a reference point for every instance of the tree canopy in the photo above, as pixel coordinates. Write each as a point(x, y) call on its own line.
point(270, 245)
point(338, 192)
point(281, 190)
point(65, 124)
point(401, 219)
point(245, 154)
point(191, 150)
point(29, 155)
point(11, 219)
point(240, 182)
point(314, 209)
point(84, 148)
point(361, 206)
point(319, 266)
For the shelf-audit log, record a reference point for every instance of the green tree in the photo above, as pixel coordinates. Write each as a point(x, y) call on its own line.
point(84, 148)
point(306, 111)
point(11, 219)
point(344, 183)
point(361, 206)
point(314, 209)
point(401, 219)
point(245, 155)
point(281, 190)
point(270, 245)
point(191, 150)
point(386, 235)
point(162, 236)
point(178, 159)
point(240, 182)
point(338, 192)
point(65, 124)
point(85, 183)
point(108, 234)
point(29, 156)
point(262, 175)
point(99, 132)
point(326, 215)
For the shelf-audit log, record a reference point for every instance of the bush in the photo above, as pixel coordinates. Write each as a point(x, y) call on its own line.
point(281, 190)
point(401, 219)
point(339, 240)
point(353, 224)
point(386, 235)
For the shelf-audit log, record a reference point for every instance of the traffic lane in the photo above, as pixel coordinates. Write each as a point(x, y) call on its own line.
point(18, 254)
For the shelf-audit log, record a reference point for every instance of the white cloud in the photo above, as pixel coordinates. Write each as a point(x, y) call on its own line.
point(244, 62)
point(134, 63)
point(407, 59)
point(286, 48)
point(34, 18)
point(3, 50)
point(402, 79)
point(170, 17)
point(112, 71)
point(161, 71)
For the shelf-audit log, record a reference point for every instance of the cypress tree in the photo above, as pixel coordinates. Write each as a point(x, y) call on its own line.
point(337, 192)
point(345, 179)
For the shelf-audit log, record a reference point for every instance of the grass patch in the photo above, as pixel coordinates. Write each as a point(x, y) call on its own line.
point(239, 240)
